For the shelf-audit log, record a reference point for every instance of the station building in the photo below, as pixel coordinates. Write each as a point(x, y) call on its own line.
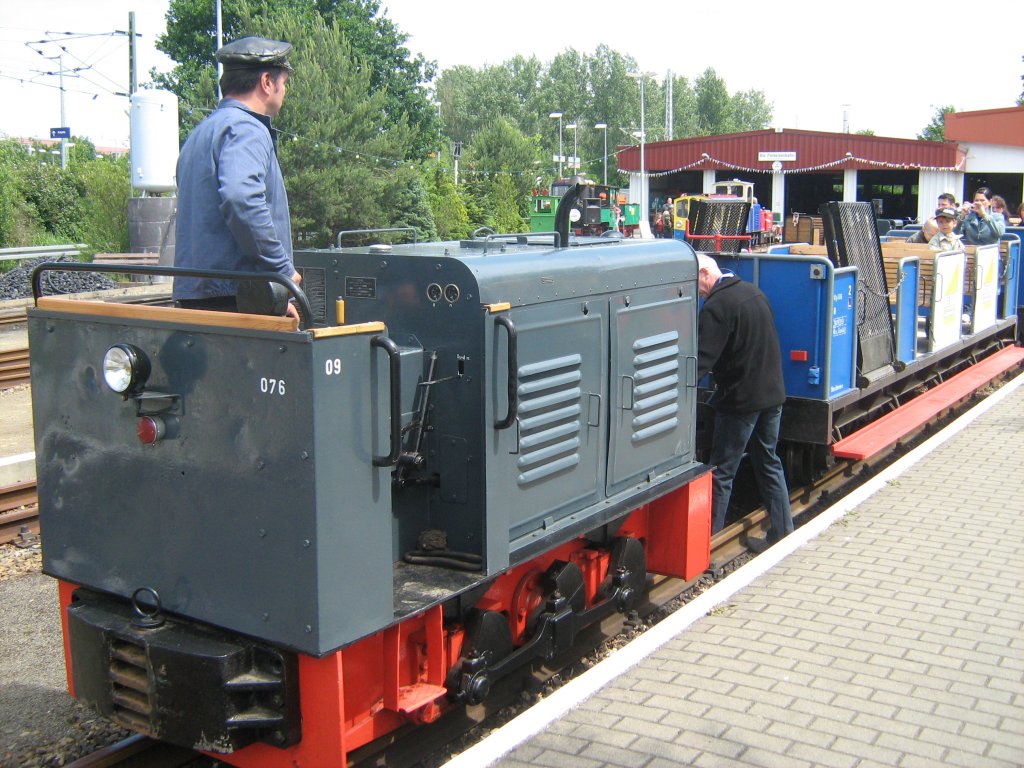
point(794, 171)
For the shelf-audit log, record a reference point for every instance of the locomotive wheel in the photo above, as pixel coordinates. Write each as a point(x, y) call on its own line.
point(627, 576)
point(798, 461)
point(527, 603)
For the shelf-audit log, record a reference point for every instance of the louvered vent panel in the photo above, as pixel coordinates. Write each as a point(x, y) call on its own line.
point(131, 692)
point(550, 408)
point(656, 386)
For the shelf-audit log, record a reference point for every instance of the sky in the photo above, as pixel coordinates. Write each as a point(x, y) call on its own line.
point(32, 100)
point(886, 66)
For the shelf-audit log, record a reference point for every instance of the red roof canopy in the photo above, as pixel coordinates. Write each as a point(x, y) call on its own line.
point(797, 151)
point(987, 126)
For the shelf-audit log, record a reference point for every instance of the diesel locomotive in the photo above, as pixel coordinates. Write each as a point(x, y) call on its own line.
point(277, 544)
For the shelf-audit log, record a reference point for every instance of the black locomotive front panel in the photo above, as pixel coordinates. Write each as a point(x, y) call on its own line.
point(146, 674)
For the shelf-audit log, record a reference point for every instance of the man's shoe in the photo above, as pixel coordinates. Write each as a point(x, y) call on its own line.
point(758, 544)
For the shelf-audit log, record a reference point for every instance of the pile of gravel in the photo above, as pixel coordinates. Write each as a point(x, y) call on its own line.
point(17, 283)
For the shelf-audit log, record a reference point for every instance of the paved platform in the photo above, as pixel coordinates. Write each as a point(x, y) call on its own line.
point(888, 632)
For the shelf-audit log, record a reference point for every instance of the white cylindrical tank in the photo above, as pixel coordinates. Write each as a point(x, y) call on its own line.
point(154, 140)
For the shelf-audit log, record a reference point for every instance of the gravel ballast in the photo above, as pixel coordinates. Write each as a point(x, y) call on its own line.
point(40, 724)
point(17, 283)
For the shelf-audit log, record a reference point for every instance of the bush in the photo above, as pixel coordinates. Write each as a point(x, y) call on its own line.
point(43, 204)
point(56, 196)
point(105, 204)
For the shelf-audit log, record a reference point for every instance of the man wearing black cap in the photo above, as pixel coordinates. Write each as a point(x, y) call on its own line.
point(232, 204)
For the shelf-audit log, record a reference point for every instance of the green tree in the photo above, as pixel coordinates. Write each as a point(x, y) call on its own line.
point(502, 148)
point(449, 209)
point(41, 203)
point(107, 185)
point(684, 109)
point(714, 107)
point(341, 164)
point(566, 87)
point(398, 77)
point(589, 88)
point(936, 129)
point(9, 206)
point(14, 215)
point(55, 195)
point(342, 157)
point(466, 101)
point(411, 205)
point(750, 110)
point(474, 192)
point(505, 202)
point(614, 97)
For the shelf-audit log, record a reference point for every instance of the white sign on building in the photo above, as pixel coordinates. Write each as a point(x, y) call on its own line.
point(768, 157)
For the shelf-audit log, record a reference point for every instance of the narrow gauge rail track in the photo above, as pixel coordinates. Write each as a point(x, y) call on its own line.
point(417, 746)
point(19, 511)
point(14, 367)
point(140, 752)
point(14, 363)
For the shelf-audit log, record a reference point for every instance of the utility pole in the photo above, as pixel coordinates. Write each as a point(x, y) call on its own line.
point(63, 122)
point(220, 44)
point(669, 117)
point(59, 58)
point(438, 105)
point(575, 149)
point(558, 116)
point(63, 133)
point(133, 80)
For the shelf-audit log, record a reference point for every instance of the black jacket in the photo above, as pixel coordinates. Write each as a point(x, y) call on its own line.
point(737, 342)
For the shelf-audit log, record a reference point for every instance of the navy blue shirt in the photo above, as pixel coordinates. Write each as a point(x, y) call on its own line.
point(232, 204)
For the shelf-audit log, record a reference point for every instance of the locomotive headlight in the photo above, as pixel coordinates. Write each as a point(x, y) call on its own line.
point(125, 369)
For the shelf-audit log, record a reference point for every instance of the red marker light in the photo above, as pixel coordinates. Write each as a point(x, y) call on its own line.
point(151, 429)
point(798, 355)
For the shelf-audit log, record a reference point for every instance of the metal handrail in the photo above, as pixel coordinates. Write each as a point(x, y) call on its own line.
point(23, 253)
point(376, 231)
point(301, 302)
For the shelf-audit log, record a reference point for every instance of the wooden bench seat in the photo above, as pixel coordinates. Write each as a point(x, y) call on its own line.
point(894, 251)
point(132, 259)
point(167, 314)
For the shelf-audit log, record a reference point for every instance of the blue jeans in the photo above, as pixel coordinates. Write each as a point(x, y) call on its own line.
point(733, 432)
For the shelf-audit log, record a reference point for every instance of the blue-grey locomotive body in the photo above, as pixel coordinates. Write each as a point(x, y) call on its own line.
point(470, 451)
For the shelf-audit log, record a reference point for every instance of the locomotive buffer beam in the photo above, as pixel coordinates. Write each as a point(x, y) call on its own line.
point(491, 656)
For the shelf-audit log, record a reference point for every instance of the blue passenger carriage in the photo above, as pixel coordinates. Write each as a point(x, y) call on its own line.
point(866, 324)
